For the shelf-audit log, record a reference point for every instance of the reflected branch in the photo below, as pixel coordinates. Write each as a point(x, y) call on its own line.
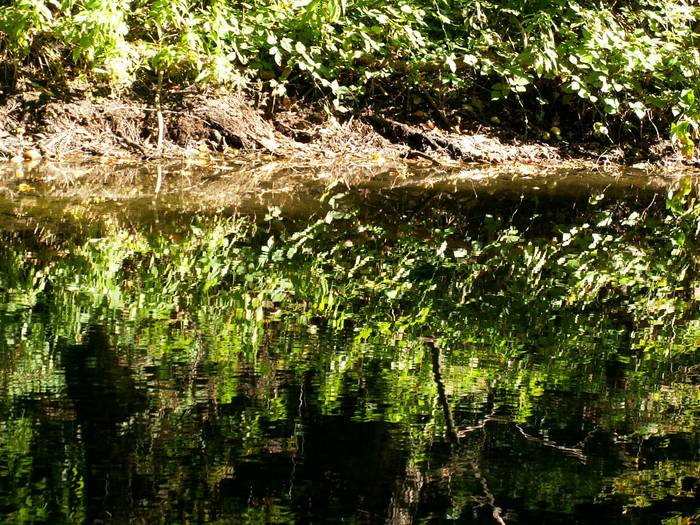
point(442, 398)
point(490, 498)
point(491, 418)
point(569, 451)
point(454, 435)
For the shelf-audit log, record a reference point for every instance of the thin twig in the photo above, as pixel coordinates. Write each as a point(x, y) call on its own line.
point(159, 113)
point(416, 153)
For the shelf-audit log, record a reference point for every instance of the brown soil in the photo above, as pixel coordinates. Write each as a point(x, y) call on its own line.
point(197, 125)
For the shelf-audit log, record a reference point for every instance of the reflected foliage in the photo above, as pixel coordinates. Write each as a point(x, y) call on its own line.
point(477, 364)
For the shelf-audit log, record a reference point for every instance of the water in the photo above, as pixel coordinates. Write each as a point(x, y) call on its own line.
point(432, 356)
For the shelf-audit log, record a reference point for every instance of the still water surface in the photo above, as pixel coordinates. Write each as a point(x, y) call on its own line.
point(132, 395)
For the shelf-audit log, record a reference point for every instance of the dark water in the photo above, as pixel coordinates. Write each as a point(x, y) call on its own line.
point(117, 409)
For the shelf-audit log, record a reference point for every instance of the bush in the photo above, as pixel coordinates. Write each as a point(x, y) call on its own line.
point(625, 70)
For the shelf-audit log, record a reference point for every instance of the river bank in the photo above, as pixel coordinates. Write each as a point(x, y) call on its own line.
point(33, 127)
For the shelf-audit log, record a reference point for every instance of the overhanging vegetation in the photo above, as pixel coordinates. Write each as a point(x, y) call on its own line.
point(625, 71)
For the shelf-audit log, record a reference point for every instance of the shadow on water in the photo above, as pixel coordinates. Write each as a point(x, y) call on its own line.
point(104, 396)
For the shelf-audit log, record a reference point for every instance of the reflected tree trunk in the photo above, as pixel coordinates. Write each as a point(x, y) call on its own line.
point(442, 397)
point(454, 436)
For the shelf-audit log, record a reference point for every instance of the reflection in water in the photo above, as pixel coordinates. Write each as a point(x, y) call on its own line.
point(104, 396)
point(276, 451)
point(500, 360)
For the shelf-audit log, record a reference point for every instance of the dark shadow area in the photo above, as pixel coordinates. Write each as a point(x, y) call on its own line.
point(105, 396)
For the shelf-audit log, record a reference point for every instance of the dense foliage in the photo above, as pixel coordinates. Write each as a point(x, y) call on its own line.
point(623, 69)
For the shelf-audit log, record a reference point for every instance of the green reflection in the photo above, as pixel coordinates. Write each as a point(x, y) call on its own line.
point(428, 365)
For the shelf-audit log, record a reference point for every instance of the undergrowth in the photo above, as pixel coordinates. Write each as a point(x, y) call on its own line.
point(625, 70)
